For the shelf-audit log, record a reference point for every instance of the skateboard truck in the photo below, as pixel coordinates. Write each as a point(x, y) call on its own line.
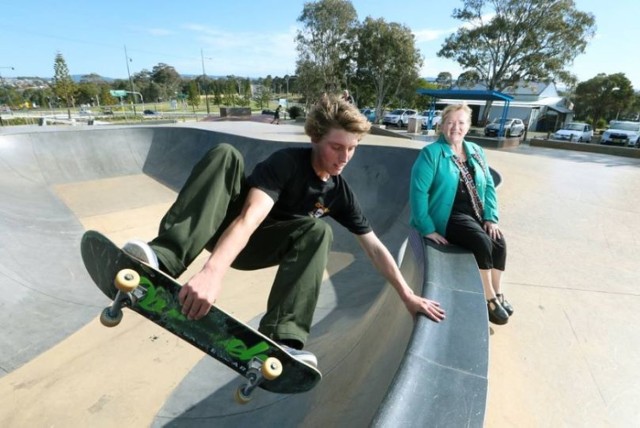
point(125, 281)
point(258, 372)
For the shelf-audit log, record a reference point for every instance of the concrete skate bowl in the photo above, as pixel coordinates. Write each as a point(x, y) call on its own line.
point(378, 369)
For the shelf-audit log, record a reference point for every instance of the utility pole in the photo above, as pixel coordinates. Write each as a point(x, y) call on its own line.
point(204, 79)
point(133, 91)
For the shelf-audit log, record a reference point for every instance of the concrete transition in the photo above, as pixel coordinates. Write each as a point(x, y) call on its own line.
point(361, 330)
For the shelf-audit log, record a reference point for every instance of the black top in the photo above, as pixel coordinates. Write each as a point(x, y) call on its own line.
point(288, 178)
point(462, 203)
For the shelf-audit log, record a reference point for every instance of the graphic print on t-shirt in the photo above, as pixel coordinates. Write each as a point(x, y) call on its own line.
point(319, 210)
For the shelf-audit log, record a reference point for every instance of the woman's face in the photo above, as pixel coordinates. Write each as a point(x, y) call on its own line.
point(455, 126)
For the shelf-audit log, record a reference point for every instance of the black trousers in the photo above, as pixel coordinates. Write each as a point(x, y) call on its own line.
point(464, 230)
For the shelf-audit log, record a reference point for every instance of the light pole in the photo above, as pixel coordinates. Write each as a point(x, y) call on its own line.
point(1, 79)
point(7, 67)
point(615, 89)
point(204, 79)
point(133, 91)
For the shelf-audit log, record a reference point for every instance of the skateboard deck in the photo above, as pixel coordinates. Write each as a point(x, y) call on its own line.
point(155, 297)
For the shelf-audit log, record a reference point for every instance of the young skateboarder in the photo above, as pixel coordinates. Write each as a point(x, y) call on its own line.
point(273, 217)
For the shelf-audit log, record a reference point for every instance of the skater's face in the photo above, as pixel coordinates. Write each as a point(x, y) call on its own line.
point(333, 152)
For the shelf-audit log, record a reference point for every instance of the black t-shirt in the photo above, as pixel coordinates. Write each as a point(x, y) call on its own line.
point(288, 178)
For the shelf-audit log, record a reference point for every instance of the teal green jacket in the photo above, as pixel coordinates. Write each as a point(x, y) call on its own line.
point(434, 182)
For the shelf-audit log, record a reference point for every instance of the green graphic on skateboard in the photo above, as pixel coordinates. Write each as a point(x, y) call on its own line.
point(154, 295)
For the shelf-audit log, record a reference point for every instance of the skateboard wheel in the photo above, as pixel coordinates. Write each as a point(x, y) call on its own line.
point(241, 397)
point(271, 368)
point(127, 280)
point(109, 320)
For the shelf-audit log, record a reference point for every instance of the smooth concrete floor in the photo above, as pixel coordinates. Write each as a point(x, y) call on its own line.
point(568, 357)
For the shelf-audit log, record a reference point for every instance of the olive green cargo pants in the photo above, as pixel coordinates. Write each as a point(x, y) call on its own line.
point(209, 201)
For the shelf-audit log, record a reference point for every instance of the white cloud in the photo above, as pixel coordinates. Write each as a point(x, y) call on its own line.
point(247, 53)
point(428, 35)
point(159, 32)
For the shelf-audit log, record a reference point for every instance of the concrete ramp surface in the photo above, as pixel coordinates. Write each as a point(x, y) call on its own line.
point(568, 356)
point(120, 180)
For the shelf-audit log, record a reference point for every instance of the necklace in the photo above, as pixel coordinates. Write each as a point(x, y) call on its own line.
point(459, 153)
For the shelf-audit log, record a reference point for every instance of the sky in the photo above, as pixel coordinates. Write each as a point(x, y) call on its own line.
point(249, 38)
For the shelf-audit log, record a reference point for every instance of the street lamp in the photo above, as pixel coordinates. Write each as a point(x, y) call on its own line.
point(7, 67)
point(1, 79)
point(615, 89)
point(133, 91)
point(204, 79)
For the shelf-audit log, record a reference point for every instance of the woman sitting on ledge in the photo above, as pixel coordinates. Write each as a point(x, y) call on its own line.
point(453, 200)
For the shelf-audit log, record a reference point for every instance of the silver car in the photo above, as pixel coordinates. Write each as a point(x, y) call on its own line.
point(399, 117)
point(622, 132)
point(512, 128)
point(575, 131)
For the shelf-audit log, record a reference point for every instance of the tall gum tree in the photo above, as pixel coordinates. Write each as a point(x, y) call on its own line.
point(507, 42)
point(388, 62)
point(324, 44)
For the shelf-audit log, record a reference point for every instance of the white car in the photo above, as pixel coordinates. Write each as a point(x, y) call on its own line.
point(399, 117)
point(623, 133)
point(435, 119)
point(575, 131)
point(512, 128)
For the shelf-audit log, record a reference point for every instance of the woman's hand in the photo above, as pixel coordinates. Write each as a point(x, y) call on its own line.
point(437, 238)
point(492, 230)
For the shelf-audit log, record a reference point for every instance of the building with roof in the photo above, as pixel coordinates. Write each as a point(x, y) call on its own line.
point(539, 105)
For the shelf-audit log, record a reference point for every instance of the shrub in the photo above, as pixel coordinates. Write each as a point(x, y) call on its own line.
point(295, 112)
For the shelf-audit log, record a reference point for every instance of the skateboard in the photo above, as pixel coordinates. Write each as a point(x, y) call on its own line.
point(154, 295)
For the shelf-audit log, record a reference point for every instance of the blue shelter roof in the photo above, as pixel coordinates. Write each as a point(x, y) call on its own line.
point(466, 94)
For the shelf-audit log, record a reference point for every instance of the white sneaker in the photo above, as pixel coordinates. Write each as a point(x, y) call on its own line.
point(141, 251)
point(304, 356)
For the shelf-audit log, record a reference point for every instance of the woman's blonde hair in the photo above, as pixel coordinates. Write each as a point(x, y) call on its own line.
point(331, 112)
point(452, 108)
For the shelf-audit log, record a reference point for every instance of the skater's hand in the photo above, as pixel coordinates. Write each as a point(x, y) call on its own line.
point(431, 308)
point(199, 294)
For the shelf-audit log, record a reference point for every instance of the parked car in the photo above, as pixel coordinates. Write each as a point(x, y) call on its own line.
point(399, 117)
point(512, 128)
point(369, 113)
point(150, 113)
point(435, 120)
point(575, 131)
point(623, 133)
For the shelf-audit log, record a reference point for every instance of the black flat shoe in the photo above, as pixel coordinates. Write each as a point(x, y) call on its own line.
point(506, 305)
point(497, 314)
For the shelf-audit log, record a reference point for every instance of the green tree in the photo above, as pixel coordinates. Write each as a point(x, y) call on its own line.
point(605, 97)
point(521, 41)
point(167, 79)
point(444, 80)
point(387, 63)
point(468, 79)
point(262, 94)
point(63, 85)
point(193, 95)
point(324, 44)
point(245, 92)
point(311, 81)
